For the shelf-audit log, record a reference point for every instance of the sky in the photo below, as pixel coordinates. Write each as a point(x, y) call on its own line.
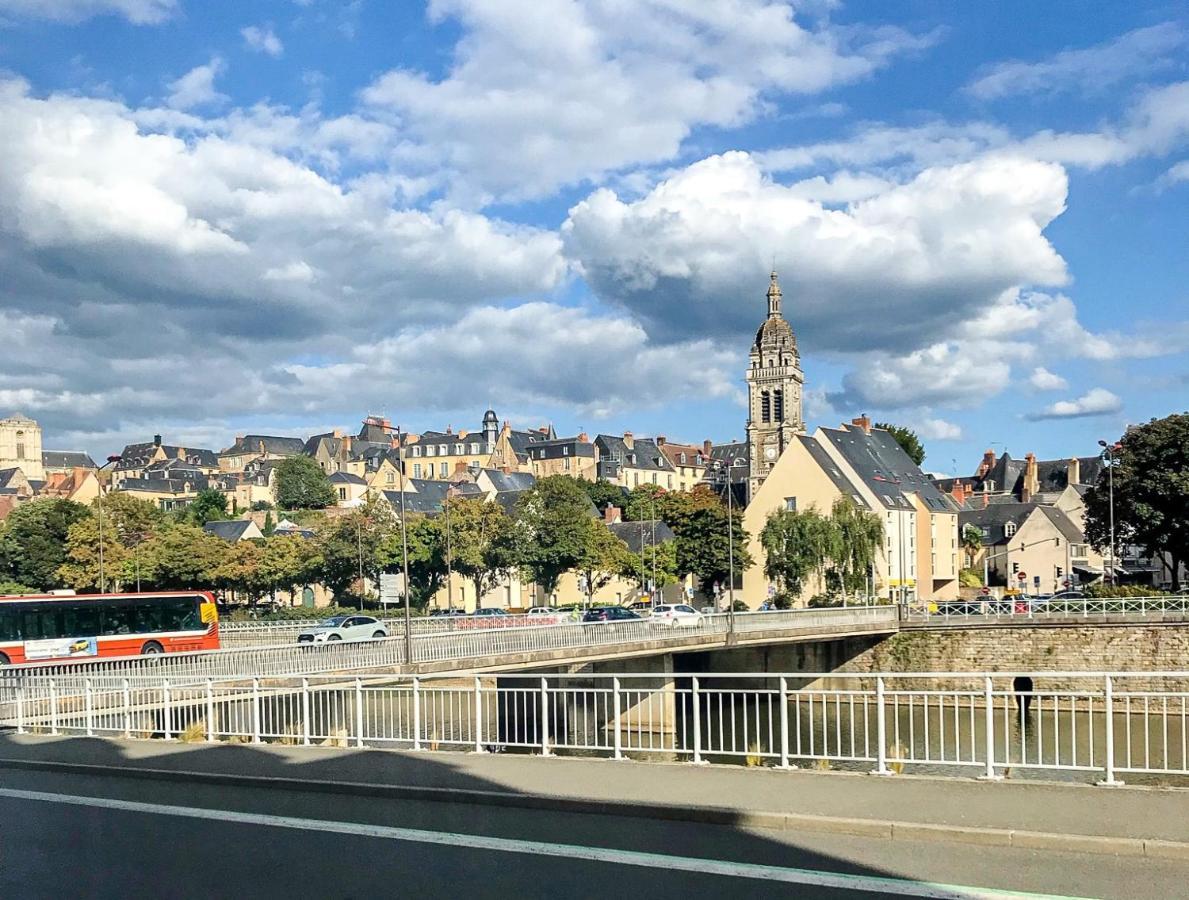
point(278, 217)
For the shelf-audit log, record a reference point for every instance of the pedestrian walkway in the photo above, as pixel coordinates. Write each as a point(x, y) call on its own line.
point(945, 808)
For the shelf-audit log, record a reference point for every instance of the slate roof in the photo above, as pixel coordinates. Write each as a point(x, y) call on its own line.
point(346, 478)
point(557, 449)
point(229, 531)
point(66, 459)
point(252, 443)
point(638, 535)
point(833, 472)
point(7, 476)
point(136, 456)
point(314, 441)
point(643, 454)
point(510, 481)
point(165, 485)
point(723, 454)
point(1068, 528)
point(428, 496)
point(993, 521)
point(881, 463)
point(508, 500)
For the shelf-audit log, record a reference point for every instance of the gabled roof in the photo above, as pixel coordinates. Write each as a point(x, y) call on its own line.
point(1068, 528)
point(135, 456)
point(346, 478)
point(165, 485)
point(993, 521)
point(66, 459)
point(722, 455)
point(561, 447)
point(12, 477)
point(639, 535)
point(509, 481)
point(643, 454)
point(331, 441)
point(833, 472)
point(882, 465)
point(266, 443)
point(233, 530)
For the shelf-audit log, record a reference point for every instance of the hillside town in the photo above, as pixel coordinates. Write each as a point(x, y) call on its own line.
point(1012, 525)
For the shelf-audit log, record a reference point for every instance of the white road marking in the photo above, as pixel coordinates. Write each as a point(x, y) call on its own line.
point(755, 871)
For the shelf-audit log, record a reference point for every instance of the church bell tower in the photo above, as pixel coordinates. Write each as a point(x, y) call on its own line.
point(774, 387)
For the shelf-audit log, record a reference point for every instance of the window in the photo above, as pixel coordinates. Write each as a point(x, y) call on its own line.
point(670, 482)
point(1009, 529)
point(442, 450)
point(567, 464)
point(790, 503)
point(443, 470)
point(682, 458)
point(474, 448)
point(654, 477)
point(779, 405)
point(342, 493)
point(416, 470)
point(20, 450)
point(765, 407)
point(429, 451)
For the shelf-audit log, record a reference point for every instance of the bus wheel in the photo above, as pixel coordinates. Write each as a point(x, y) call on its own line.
point(151, 648)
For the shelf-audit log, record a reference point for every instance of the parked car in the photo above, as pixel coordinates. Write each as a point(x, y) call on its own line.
point(676, 615)
point(538, 611)
point(488, 612)
point(344, 628)
point(640, 605)
point(609, 614)
point(452, 611)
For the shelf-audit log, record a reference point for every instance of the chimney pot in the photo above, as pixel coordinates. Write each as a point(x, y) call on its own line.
point(612, 515)
point(156, 440)
point(862, 422)
point(583, 438)
point(629, 440)
point(707, 447)
point(660, 440)
point(1074, 471)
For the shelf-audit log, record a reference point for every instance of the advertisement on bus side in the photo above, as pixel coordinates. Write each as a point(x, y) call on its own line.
point(61, 647)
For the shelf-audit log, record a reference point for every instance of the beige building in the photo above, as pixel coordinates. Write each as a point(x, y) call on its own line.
point(689, 461)
point(139, 460)
point(251, 447)
point(441, 455)
point(80, 485)
point(629, 462)
point(574, 456)
point(20, 446)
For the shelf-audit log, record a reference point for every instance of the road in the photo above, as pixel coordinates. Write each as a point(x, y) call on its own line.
point(117, 836)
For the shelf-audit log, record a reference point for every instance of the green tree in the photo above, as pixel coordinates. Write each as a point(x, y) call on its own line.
point(33, 541)
point(351, 543)
point(209, 505)
point(482, 542)
point(301, 484)
point(128, 522)
point(699, 520)
point(11, 589)
point(181, 557)
point(657, 560)
point(907, 439)
point(427, 557)
point(643, 502)
point(553, 533)
point(1151, 490)
point(798, 544)
point(288, 562)
point(601, 558)
point(239, 570)
point(602, 493)
point(859, 538)
point(269, 526)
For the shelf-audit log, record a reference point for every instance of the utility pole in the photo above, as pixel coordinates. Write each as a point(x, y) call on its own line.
point(404, 549)
point(1108, 452)
point(449, 564)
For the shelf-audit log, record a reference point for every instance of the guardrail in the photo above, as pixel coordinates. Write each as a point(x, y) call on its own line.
point(1017, 608)
point(461, 645)
point(1099, 725)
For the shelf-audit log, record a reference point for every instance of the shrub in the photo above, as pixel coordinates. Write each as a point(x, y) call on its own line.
point(970, 578)
point(820, 600)
point(1120, 590)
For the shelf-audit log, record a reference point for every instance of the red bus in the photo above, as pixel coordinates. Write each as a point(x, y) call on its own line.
point(45, 627)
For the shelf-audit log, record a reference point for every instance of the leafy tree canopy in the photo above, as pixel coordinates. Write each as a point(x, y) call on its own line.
point(209, 506)
point(907, 439)
point(301, 484)
point(602, 493)
point(554, 516)
point(33, 541)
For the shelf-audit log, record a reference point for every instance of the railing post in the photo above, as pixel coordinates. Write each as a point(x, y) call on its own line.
point(166, 709)
point(89, 701)
point(358, 712)
point(617, 712)
point(210, 712)
point(21, 710)
point(1109, 708)
point(416, 713)
point(881, 731)
point(784, 723)
point(305, 712)
point(697, 705)
point(989, 727)
point(478, 715)
point(544, 717)
point(127, 709)
point(53, 707)
point(256, 711)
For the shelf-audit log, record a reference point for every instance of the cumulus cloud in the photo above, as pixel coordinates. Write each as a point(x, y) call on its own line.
point(1095, 402)
point(139, 12)
point(1090, 69)
point(938, 430)
point(1044, 380)
point(197, 87)
point(574, 91)
point(896, 270)
point(263, 39)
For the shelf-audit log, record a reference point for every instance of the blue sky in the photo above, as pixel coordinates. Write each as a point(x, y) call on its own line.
point(223, 217)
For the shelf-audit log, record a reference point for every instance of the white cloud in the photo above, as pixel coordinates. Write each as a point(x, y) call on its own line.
point(898, 270)
point(197, 87)
point(264, 39)
point(139, 12)
point(1044, 380)
point(1091, 69)
point(943, 374)
point(574, 91)
point(1176, 174)
point(938, 430)
point(1095, 402)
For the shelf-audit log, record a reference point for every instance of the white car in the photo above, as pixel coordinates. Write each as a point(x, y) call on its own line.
point(676, 615)
point(542, 611)
point(344, 628)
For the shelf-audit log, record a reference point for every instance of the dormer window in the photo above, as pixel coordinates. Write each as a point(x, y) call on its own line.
point(1009, 529)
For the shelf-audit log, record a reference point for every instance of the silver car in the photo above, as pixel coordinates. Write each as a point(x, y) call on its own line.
point(344, 628)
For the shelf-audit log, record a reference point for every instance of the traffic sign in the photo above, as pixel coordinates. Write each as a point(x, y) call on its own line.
point(391, 588)
point(1023, 576)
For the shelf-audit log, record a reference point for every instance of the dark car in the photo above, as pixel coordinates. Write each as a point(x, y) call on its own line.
point(453, 611)
point(610, 614)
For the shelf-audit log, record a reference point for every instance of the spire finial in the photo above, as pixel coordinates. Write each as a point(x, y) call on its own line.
point(774, 295)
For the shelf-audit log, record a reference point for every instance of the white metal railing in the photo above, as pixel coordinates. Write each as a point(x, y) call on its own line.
point(1101, 725)
point(461, 645)
point(1017, 608)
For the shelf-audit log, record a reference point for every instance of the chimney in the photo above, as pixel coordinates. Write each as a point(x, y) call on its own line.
point(612, 515)
point(707, 447)
point(1031, 479)
point(583, 438)
point(660, 440)
point(449, 429)
point(463, 434)
point(460, 467)
point(156, 440)
point(862, 422)
point(987, 464)
point(1073, 472)
point(629, 440)
point(337, 433)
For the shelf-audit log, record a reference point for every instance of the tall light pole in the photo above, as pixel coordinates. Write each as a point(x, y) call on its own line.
point(404, 548)
point(449, 564)
point(734, 464)
point(99, 511)
point(1108, 451)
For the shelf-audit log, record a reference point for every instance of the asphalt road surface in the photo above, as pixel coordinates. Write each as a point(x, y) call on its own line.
point(65, 835)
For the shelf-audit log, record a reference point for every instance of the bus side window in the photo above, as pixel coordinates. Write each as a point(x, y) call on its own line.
point(184, 614)
point(117, 619)
point(80, 619)
point(10, 623)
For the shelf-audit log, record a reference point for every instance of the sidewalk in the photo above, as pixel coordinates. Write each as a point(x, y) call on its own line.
point(916, 807)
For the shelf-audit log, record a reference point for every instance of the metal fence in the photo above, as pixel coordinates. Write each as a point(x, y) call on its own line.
point(461, 645)
point(1098, 726)
point(1021, 608)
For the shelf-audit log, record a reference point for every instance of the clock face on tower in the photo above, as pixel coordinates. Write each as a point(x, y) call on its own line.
point(770, 453)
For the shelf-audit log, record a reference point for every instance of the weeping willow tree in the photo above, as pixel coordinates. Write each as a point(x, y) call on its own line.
point(798, 544)
point(859, 536)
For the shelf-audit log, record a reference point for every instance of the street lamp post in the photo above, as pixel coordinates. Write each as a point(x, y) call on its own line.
point(734, 464)
point(404, 548)
point(1109, 452)
point(99, 510)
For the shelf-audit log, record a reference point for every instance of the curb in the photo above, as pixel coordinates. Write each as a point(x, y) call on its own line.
point(704, 815)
